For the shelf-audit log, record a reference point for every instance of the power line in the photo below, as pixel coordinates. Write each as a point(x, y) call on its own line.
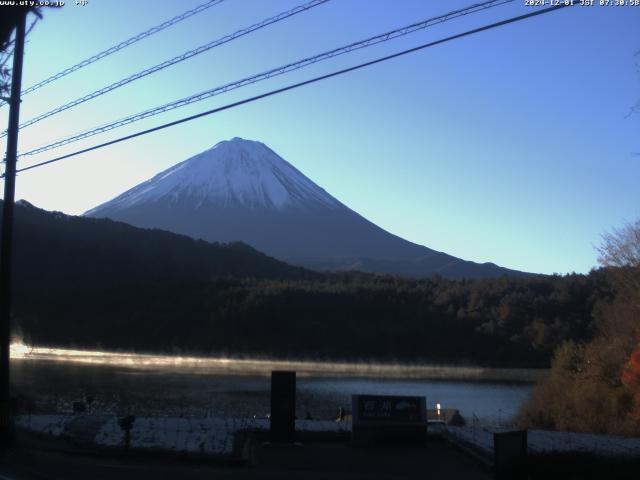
point(173, 61)
point(300, 84)
point(121, 45)
point(384, 37)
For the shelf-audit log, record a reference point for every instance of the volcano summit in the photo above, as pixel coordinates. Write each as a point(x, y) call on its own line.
point(241, 190)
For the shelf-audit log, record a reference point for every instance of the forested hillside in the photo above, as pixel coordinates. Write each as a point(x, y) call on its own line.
point(54, 251)
point(97, 283)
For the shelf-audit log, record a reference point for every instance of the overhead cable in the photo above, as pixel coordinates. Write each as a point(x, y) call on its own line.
point(298, 85)
point(121, 45)
point(384, 37)
point(173, 61)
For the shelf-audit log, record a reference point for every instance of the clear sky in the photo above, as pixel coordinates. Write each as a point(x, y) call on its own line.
point(513, 146)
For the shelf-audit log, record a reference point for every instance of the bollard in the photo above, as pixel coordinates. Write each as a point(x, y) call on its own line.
point(283, 406)
point(510, 454)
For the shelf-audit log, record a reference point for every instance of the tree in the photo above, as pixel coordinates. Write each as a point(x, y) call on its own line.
point(631, 379)
point(620, 253)
point(621, 250)
point(636, 107)
point(8, 21)
point(601, 376)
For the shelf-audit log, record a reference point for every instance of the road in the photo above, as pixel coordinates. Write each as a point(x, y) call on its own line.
point(319, 460)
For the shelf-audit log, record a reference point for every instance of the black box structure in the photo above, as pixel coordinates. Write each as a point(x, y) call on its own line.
point(283, 406)
point(510, 454)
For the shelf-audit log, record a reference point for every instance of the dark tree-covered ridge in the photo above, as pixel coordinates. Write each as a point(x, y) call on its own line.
point(97, 283)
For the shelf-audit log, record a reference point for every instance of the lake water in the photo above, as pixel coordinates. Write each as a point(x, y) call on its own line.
point(490, 402)
point(50, 386)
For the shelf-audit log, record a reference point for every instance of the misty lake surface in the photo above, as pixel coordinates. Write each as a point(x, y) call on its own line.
point(489, 402)
point(52, 387)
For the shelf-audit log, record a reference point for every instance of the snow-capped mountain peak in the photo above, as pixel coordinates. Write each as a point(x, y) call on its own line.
point(234, 172)
point(242, 190)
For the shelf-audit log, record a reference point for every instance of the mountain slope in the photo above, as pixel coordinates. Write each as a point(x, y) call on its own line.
point(242, 190)
point(53, 251)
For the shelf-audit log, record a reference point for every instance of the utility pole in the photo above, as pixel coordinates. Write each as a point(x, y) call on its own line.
point(6, 245)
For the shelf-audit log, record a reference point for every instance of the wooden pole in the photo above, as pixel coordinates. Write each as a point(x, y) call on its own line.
point(6, 245)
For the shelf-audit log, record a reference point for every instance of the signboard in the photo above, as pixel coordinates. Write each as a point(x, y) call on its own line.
point(389, 419)
point(387, 408)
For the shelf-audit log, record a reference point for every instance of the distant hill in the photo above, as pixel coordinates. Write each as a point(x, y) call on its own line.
point(57, 251)
point(242, 190)
point(96, 283)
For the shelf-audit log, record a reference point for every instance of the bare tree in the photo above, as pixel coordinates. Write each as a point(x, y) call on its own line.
point(620, 250)
point(8, 21)
point(5, 73)
point(636, 107)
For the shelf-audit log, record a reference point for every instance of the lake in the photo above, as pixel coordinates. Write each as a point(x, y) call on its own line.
point(50, 380)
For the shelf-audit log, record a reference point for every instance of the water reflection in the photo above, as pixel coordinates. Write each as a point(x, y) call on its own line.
point(163, 385)
point(239, 366)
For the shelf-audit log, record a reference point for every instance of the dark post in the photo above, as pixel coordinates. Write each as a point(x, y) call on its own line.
point(283, 406)
point(126, 424)
point(510, 454)
point(7, 232)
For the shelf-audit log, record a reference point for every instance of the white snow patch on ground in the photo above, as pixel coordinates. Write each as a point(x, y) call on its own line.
point(541, 441)
point(175, 434)
point(49, 424)
point(216, 435)
point(203, 435)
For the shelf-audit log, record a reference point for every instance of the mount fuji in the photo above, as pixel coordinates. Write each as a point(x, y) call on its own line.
point(240, 190)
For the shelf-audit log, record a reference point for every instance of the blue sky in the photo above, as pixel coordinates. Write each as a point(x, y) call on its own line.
point(513, 146)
